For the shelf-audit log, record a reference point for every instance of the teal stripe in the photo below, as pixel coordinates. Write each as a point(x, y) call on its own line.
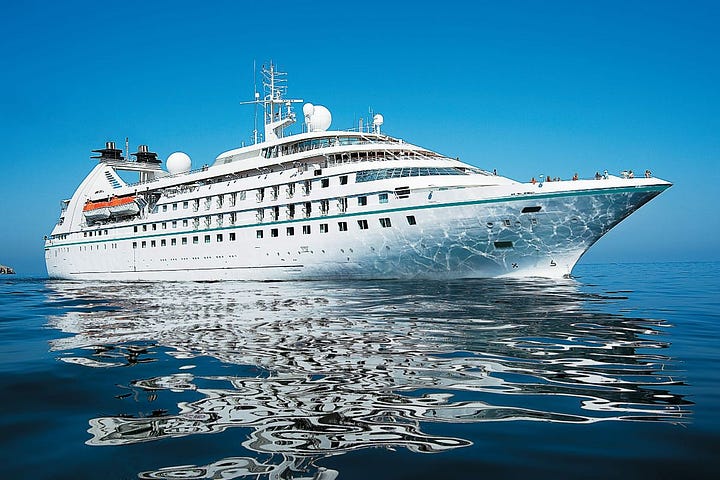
point(517, 198)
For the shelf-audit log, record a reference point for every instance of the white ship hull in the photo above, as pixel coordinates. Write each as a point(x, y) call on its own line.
point(456, 238)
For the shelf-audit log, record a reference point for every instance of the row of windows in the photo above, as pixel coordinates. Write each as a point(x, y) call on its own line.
point(207, 202)
point(94, 233)
point(274, 232)
point(291, 148)
point(290, 211)
point(184, 240)
point(324, 227)
point(384, 173)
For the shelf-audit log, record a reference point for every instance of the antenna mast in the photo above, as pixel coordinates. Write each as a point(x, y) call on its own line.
point(256, 98)
point(275, 88)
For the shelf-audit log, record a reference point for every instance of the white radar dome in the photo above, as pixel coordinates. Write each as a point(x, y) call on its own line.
point(308, 109)
point(178, 162)
point(378, 120)
point(319, 118)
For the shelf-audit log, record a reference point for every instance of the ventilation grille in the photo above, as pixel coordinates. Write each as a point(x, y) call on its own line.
point(113, 181)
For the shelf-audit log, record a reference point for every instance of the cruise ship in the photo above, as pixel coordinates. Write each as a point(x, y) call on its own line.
point(327, 204)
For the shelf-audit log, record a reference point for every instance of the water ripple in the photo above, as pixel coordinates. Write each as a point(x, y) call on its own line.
point(337, 367)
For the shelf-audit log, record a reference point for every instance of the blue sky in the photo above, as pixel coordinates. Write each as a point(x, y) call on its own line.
point(527, 87)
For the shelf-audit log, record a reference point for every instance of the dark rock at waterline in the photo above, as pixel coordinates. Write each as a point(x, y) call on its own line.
point(6, 270)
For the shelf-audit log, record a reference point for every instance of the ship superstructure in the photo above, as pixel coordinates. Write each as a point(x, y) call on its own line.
point(327, 204)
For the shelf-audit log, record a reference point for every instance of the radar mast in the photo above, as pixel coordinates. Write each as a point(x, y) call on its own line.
point(276, 118)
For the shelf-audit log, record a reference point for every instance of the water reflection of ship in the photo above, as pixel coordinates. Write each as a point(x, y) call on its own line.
point(345, 368)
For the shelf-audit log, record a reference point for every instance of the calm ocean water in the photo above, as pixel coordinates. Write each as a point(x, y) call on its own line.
point(615, 374)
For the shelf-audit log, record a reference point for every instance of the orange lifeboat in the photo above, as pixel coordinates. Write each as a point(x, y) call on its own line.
point(112, 207)
point(123, 206)
point(97, 210)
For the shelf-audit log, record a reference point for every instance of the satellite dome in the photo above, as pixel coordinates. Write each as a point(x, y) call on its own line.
point(308, 109)
point(378, 120)
point(178, 162)
point(319, 118)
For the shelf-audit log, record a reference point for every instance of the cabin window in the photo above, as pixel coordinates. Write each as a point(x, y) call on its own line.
point(259, 233)
point(185, 223)
point(183, 240)
point(363, 224)
point(143, 244)
point(383, 197)
point(173, 242)
point(186, 205)
point(318, 172)
point(323, 228)
point(134, 244)
point(232, 236)
point(324, 207)
point(219, 237)
point(325, 182)
point(164, 225)
point(196, 240)
point(411, 220)
point(342, 226)
point(207, 238)
point(163, 243)
point(385, 222)
point(144, 228)
point(164, 208)
point(362, 201)
point(174, 224)
point(273, 232)
point(174, 206)
point(343, 179)
point(152, 243)
point(306, 229)
point(503, 245)
point(154, 226)
point(290, 231)
point(135, 229)
point(531, 209)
